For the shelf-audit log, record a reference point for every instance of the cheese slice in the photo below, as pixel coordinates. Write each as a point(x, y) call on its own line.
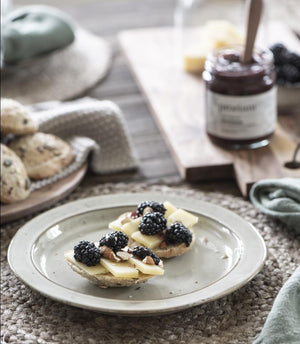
point(92, 270)
point(120, 269)
point(115, 225)
point(150, 241)
point(146, 268)
point(184, 217)
point(170, 208)
point(130, 227)
point(119, 222)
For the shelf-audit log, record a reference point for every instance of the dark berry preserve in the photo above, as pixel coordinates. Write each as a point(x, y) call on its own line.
point(241, 109)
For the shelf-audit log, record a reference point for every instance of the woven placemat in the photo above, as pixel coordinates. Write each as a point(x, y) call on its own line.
point(28, 317)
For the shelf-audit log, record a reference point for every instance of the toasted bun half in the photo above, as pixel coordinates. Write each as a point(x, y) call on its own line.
point(108, 280)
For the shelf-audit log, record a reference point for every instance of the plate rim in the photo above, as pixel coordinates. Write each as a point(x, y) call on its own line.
point(32, 277)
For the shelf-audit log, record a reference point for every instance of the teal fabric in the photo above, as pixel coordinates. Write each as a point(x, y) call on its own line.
point(34, 30)
point(283, 323)
point(279, 198)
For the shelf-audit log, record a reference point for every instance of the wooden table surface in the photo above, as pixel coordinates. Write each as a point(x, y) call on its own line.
point(106, 18)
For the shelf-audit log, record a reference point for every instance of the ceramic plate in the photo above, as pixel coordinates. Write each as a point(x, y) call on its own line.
point(227, 254)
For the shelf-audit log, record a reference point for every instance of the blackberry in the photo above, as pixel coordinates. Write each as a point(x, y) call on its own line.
point(115, 240)
point(294, 59)
point(155, 206)
point(290, 73)
point(278, 48)
point(280, 82)
point(142, 252)
point(177, 233)
point(279, 73)
point(87, 253)
point(279, 52)
point(152, 223)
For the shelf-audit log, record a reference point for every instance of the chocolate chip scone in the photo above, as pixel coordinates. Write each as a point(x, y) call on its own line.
point(42, 154)
point(15, 184)
point(15, 118)
point(161, 227)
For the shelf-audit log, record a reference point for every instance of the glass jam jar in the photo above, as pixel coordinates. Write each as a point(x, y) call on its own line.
point(241, 105)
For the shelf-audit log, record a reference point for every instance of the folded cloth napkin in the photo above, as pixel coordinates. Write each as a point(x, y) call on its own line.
point(34, 30)
point(283, 323)
point(90, 126)
point(279, 198)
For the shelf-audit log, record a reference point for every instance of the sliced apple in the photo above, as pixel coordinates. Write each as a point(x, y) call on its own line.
point(92, 270)
point(120, 269)
point(170, 209)
point(146, 268)
point(184, 217)
point(150, 241)
point(131, 227)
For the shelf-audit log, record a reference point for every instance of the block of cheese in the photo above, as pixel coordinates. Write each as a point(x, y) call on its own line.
point(215, 34)
point(222, 33)
point(195, 57)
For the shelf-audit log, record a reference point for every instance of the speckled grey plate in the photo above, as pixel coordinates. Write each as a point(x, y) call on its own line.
point(227, 254)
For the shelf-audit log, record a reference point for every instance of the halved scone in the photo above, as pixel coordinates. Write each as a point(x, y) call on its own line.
point(15, 184)
point(111, 263)
point(42, 154)
point(161, 227)
point(16, 119)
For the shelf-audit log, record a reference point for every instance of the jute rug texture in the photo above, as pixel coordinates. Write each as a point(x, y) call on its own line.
point(27, 317)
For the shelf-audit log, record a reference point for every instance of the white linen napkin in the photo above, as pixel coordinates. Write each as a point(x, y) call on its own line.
point(92, 127)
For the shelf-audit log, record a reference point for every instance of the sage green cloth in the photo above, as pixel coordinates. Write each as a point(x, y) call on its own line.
point(33, 30)
point(279, 198)
point(283, 323)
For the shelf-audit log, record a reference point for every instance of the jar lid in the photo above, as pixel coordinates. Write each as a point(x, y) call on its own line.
point(226, 62)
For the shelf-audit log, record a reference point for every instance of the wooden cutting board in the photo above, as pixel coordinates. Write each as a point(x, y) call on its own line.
point(176, 100)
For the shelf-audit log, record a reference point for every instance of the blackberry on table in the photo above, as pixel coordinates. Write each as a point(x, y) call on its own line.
point(278, 48)
point(290, 73)
point(155, 206)
point(281, 82)
point(115, 240)
point(87, 253)
point(279, 73)
point(152, 223)
point(142, 252)
point(279, 52)
point(293, 59)
point(177, 233)
point(287, 65)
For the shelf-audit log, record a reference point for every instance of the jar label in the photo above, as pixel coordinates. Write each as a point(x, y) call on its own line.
point(241, 117)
